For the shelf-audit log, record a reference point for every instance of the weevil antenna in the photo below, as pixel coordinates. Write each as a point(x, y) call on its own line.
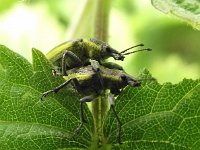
point(131, 48)
point(145, 49)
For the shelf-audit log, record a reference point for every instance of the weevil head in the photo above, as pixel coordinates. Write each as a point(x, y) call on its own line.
point(127, 80)
point(107, 51)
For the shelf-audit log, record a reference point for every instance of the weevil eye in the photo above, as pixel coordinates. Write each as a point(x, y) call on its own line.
point(123, 77)
point(103, 49)
point(108, 49)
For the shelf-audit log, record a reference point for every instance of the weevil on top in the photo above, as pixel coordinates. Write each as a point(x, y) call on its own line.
point(79, 52)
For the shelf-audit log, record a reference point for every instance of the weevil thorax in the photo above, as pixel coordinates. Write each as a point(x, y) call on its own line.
point(92, 50)
point(102, 50)
point(77, 47)
point(113, 78)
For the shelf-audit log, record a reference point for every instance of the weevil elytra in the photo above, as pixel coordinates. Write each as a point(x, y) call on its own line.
point(87, 82)
point(78, 52)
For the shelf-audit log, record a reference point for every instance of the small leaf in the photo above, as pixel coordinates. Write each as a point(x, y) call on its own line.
point(188, 10)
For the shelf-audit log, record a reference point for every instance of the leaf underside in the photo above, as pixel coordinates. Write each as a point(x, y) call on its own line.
point(154, 116)
point(188, 10)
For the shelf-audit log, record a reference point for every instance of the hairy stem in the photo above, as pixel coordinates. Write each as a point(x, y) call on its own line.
point(100, 105)
point(101, 19)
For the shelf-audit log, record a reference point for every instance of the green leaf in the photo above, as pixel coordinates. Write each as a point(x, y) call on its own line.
point(154, 116)
point(26, 122)
point(158, 116)
point(188, 10)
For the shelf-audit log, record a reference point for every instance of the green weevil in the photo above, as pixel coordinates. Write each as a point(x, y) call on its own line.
point(87, 83)
point(79, 52)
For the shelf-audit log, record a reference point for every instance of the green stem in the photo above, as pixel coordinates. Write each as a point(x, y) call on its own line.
point(100, 105)
point(101, 19)
point(99, 109)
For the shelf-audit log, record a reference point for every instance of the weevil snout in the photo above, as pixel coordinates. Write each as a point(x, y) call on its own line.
point(118, 56)
point(130, 81)
point(108, 51)
point(134, 83)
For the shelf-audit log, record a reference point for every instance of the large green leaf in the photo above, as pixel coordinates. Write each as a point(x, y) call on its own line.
point(188, 10)
point(158, 116)
point(154, 116)
point(26, 122)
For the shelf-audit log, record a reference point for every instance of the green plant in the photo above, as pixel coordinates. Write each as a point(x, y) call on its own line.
point(154, 116)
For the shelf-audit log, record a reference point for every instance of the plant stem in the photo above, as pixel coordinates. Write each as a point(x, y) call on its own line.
point(99, 109)
point(100, 105)
point(101, 19)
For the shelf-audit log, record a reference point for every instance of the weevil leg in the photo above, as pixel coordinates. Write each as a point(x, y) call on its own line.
point(55, 72)
point(71, 55)
point(112, 106)
point(83, 119)
point(96, 67)
point(55, 90)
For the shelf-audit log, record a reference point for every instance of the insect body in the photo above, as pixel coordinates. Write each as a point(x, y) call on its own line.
point(87, 83)
point(78, 52)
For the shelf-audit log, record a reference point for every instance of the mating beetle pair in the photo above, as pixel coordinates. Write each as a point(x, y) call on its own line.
point(92, 77)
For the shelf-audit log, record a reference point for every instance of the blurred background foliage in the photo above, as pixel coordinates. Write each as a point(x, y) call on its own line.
point(43, 24)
